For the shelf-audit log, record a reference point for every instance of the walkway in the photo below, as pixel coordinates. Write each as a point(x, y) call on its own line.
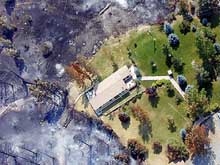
point(174, 83)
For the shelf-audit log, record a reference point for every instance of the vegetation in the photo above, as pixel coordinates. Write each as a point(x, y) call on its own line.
point(176, 152)
point(157, 147)
point(197, 103)
point(137, 150)
point(171, 124)
point(123, 158)
point(123, 117)
point(79, 74)
point(145, 127)
point(207, 8)
point(185, 60)
point(197, 140)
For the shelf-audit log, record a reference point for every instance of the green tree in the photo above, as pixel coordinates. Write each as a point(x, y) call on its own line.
point(207, 8)
point(197, 103)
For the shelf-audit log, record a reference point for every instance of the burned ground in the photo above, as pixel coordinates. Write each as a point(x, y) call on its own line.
point(75, 27)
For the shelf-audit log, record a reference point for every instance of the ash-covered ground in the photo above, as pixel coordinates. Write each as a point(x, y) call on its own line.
point(73, 27)
point(69, 28)
point(23, 140)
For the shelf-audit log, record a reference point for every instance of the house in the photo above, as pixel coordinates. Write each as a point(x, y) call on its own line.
point(115, 87)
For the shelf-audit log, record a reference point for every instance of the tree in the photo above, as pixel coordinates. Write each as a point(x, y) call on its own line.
point(152, 91)
point(137, 150)
point(124, 118)
point(173, 40)
point(207, 8)
point(203, 79)
point(197, 140)
point(145, 127)
point(176, 152)
point(157, 147)
point(197, 103)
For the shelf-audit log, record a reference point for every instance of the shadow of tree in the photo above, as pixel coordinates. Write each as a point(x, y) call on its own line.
point(154, 100)
point(210, 124)
point(126, 125)
point(145, 131)
point(215, 21)
point(85, 101)
point(208, 158)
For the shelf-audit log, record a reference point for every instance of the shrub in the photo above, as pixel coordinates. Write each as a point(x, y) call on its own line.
point(167, 28)
point(173, 40)
point(157, 147)
point(178, 99)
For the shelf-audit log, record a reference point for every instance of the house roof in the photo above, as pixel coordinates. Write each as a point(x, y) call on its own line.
point(109, 88)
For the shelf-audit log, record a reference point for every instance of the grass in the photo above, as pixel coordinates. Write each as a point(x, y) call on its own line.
point(115, 51)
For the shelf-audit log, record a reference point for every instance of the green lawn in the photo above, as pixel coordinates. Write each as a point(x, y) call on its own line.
point(115, 50)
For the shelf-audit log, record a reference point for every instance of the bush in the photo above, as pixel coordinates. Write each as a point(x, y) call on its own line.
point(167, 28)
point(157, 147)
point(173, 40)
